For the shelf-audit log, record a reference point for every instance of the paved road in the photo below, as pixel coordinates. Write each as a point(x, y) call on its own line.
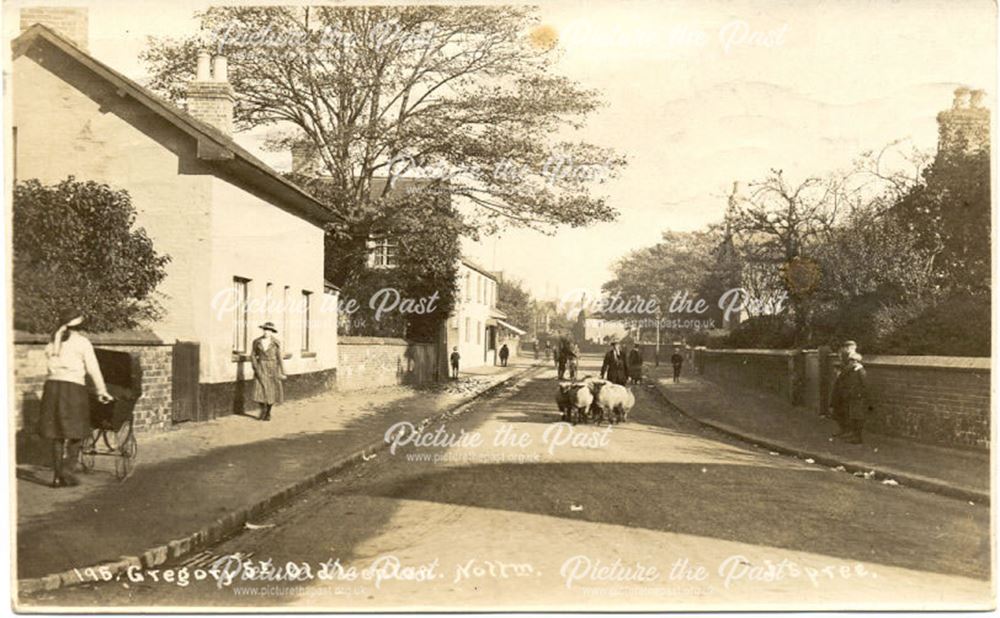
point(656, 513)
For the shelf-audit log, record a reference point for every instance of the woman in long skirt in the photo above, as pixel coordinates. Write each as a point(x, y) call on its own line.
point(268, 370)
point(65, 414)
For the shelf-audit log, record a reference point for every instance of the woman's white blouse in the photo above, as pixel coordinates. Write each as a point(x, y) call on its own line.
point(76, 360)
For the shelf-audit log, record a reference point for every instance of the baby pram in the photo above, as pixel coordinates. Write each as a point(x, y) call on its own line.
point(111, 424)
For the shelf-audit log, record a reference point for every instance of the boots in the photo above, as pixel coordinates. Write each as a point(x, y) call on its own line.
point(266, 414)
point(60, 477)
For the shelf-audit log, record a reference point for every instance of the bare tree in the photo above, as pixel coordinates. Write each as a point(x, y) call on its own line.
point(463, 96)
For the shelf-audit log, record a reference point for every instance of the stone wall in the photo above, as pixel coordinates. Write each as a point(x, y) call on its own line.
point(370, 362)
point(932, 399)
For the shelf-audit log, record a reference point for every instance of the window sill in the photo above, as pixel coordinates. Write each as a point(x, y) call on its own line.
point(308, 355)
point(240, 357)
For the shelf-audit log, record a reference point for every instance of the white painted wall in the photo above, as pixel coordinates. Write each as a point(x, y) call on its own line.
point(254, 240)
point(477, 294)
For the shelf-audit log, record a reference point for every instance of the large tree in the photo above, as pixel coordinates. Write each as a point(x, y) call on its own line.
point(671, 274)
point(514, 300)
point(466, 96)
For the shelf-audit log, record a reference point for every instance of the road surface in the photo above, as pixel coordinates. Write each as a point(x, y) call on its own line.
point(508, 509)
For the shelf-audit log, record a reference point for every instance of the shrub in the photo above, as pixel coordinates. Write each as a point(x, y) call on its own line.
point(74, 246)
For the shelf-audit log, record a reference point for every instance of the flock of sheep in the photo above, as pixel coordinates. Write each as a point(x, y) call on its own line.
point(594, 400)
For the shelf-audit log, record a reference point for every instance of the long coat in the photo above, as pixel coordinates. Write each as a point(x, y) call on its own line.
point(635, 364)
point(268, 371)
point(849, 398)
point(615, 367)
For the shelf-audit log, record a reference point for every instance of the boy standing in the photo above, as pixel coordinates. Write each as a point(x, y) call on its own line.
point(677, 361)
point(455, 357)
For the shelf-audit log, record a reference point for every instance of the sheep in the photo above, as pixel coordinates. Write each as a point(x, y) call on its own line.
point(613, 401)
point(573, 399)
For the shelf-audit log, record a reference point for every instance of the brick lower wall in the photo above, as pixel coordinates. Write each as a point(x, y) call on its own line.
point(226, 398)
point(371, 362)
point(942, 403)
point(771, 371)
point(937, 400)
point(152, 411)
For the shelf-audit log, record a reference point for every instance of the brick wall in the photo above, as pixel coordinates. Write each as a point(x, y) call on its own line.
point(772, 371)
point(932, 399)
point(152, 411)
point(939, 400)
point(370, 362)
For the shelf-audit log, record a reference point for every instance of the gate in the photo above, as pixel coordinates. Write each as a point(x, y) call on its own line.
point(185, 381)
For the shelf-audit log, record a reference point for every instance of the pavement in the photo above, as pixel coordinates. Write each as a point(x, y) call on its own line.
point(203, 481)
point(526, 514)
point(771, 422)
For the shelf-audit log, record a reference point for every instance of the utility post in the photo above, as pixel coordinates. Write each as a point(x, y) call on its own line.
point(657, 335)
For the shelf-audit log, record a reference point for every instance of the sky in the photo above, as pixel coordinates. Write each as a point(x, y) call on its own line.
point(696, 95)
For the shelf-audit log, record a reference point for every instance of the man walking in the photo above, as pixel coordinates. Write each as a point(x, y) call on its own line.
point(504, 353)
point(560, 361)
point(571, 359)
point(677, 361)
point(615, 366)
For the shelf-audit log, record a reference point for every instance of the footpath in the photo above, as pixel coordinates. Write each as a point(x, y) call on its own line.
point(202, 482)
point(771, 422)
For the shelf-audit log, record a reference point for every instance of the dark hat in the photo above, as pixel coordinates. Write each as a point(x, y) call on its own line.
point(269, 326)
point(68, 315)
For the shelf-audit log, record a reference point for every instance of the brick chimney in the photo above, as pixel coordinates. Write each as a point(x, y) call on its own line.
point(210, 97)
point(304, 159)
point(965, 128)
point(67, 21)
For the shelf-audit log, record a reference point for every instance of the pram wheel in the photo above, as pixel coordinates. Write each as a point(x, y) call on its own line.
point(128, 451)
point(88, 450)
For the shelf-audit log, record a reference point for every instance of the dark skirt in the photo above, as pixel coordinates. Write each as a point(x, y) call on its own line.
point(65, 413)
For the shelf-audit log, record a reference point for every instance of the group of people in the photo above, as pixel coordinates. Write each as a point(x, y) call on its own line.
point(567, 358)
point(503, 355)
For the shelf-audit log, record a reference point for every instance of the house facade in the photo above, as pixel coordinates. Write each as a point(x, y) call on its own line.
point(245, 245)
point(476, 326)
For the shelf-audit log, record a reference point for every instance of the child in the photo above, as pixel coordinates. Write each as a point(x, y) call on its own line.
point(455, 356)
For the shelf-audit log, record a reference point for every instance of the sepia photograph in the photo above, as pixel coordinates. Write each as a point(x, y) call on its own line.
point(445, 306)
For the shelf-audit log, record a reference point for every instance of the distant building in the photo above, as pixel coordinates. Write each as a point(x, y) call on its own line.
point(598, 329)
point(476, 327)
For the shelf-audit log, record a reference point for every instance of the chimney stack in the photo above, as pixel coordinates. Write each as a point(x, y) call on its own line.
point(965, 128)
point(304, 157)
point(71, 22)
point(210, 97)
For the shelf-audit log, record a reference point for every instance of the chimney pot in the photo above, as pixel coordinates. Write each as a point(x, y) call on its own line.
point(203, 72)
point(211, 100)
point(220, 69)
point(961, 98)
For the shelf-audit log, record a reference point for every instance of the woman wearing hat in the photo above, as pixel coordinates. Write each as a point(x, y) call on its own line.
point(65, 413)
point(268, 370)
